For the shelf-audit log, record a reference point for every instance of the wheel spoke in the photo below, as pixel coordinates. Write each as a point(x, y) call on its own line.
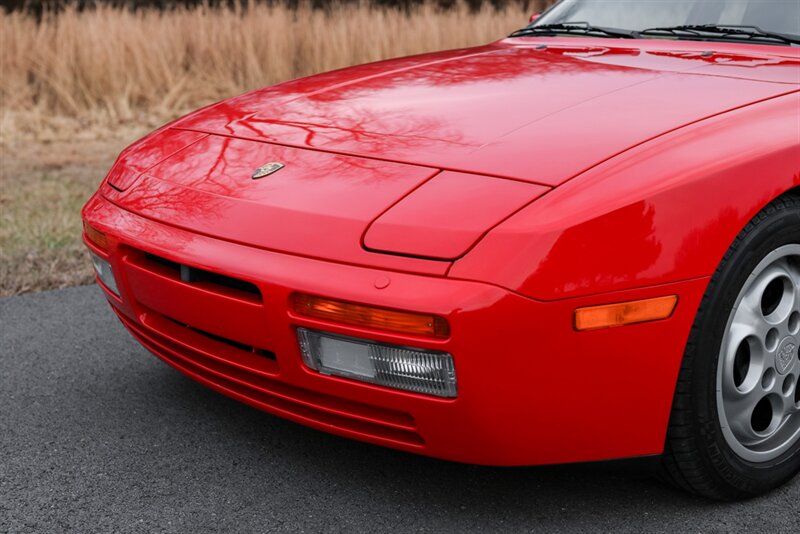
point(748, 317)
point(739, 409)
point(792, 269)
point(789, 407)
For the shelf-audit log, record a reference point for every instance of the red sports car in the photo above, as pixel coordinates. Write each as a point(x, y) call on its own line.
point(579, 243)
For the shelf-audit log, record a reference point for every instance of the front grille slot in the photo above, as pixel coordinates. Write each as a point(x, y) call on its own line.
point(175, 266)
point(195, 275)
point(231, 343)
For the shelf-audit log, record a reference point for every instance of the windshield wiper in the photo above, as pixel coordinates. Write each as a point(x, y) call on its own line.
point(717, 32)
point(575, 28)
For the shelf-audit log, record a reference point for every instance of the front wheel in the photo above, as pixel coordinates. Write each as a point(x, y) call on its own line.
point(734, 430)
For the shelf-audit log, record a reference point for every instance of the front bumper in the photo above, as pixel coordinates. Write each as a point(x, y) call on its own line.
point(531, 390)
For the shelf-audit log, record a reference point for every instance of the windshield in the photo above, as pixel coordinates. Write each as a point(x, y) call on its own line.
point(778, 16)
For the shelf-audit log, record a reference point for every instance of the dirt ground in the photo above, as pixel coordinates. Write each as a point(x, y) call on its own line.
point(43, 185)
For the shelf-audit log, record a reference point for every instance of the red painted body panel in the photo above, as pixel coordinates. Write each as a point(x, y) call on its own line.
point(666, 211)
point(501, 188)
point(146, 153)
point(530, 390)
point(319, 205)
point(446, 215)
point(509, 109)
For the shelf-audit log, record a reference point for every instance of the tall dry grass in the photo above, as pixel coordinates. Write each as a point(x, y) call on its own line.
point(110, 64)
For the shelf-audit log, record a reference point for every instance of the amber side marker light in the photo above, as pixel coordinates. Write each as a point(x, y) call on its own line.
point(625, 313)
point(379, 318)
point(96, 236)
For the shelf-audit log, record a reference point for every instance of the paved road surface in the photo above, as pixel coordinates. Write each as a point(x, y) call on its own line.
point(97, 435)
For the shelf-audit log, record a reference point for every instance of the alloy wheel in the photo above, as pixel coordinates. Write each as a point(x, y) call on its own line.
point(758, 397)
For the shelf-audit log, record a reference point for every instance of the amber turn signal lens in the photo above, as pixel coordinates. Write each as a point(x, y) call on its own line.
point(382, 319)
point(96, 236)
point(624, 313)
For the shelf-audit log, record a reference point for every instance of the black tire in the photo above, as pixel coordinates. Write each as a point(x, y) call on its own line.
point(696, 456)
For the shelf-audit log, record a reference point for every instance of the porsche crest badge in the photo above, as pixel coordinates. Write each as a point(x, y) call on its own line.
point(266, 170)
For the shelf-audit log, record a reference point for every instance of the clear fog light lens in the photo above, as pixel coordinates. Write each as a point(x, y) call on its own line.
point(104, 273)
point(417, 370)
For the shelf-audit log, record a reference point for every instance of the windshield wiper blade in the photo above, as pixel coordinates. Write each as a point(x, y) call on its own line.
point(717, 31)
point(577, 28)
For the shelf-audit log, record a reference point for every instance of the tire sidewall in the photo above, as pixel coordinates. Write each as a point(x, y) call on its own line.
point(779, 228)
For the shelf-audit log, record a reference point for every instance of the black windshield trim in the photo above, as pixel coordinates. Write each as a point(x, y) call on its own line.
point(575, 28)
point(727, 33)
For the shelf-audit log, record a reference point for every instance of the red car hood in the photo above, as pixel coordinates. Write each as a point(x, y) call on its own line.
point(362, 146)
point(530, 109)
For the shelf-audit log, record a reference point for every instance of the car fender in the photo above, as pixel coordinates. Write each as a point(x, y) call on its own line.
point(664, 211)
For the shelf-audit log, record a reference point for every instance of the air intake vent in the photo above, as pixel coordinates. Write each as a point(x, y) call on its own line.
point(229, 342)
point(193, 275)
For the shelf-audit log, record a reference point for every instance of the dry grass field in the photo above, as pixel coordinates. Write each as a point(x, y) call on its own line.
point(76, 87)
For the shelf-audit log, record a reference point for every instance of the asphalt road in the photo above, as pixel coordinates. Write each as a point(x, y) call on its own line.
point(98, 435)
